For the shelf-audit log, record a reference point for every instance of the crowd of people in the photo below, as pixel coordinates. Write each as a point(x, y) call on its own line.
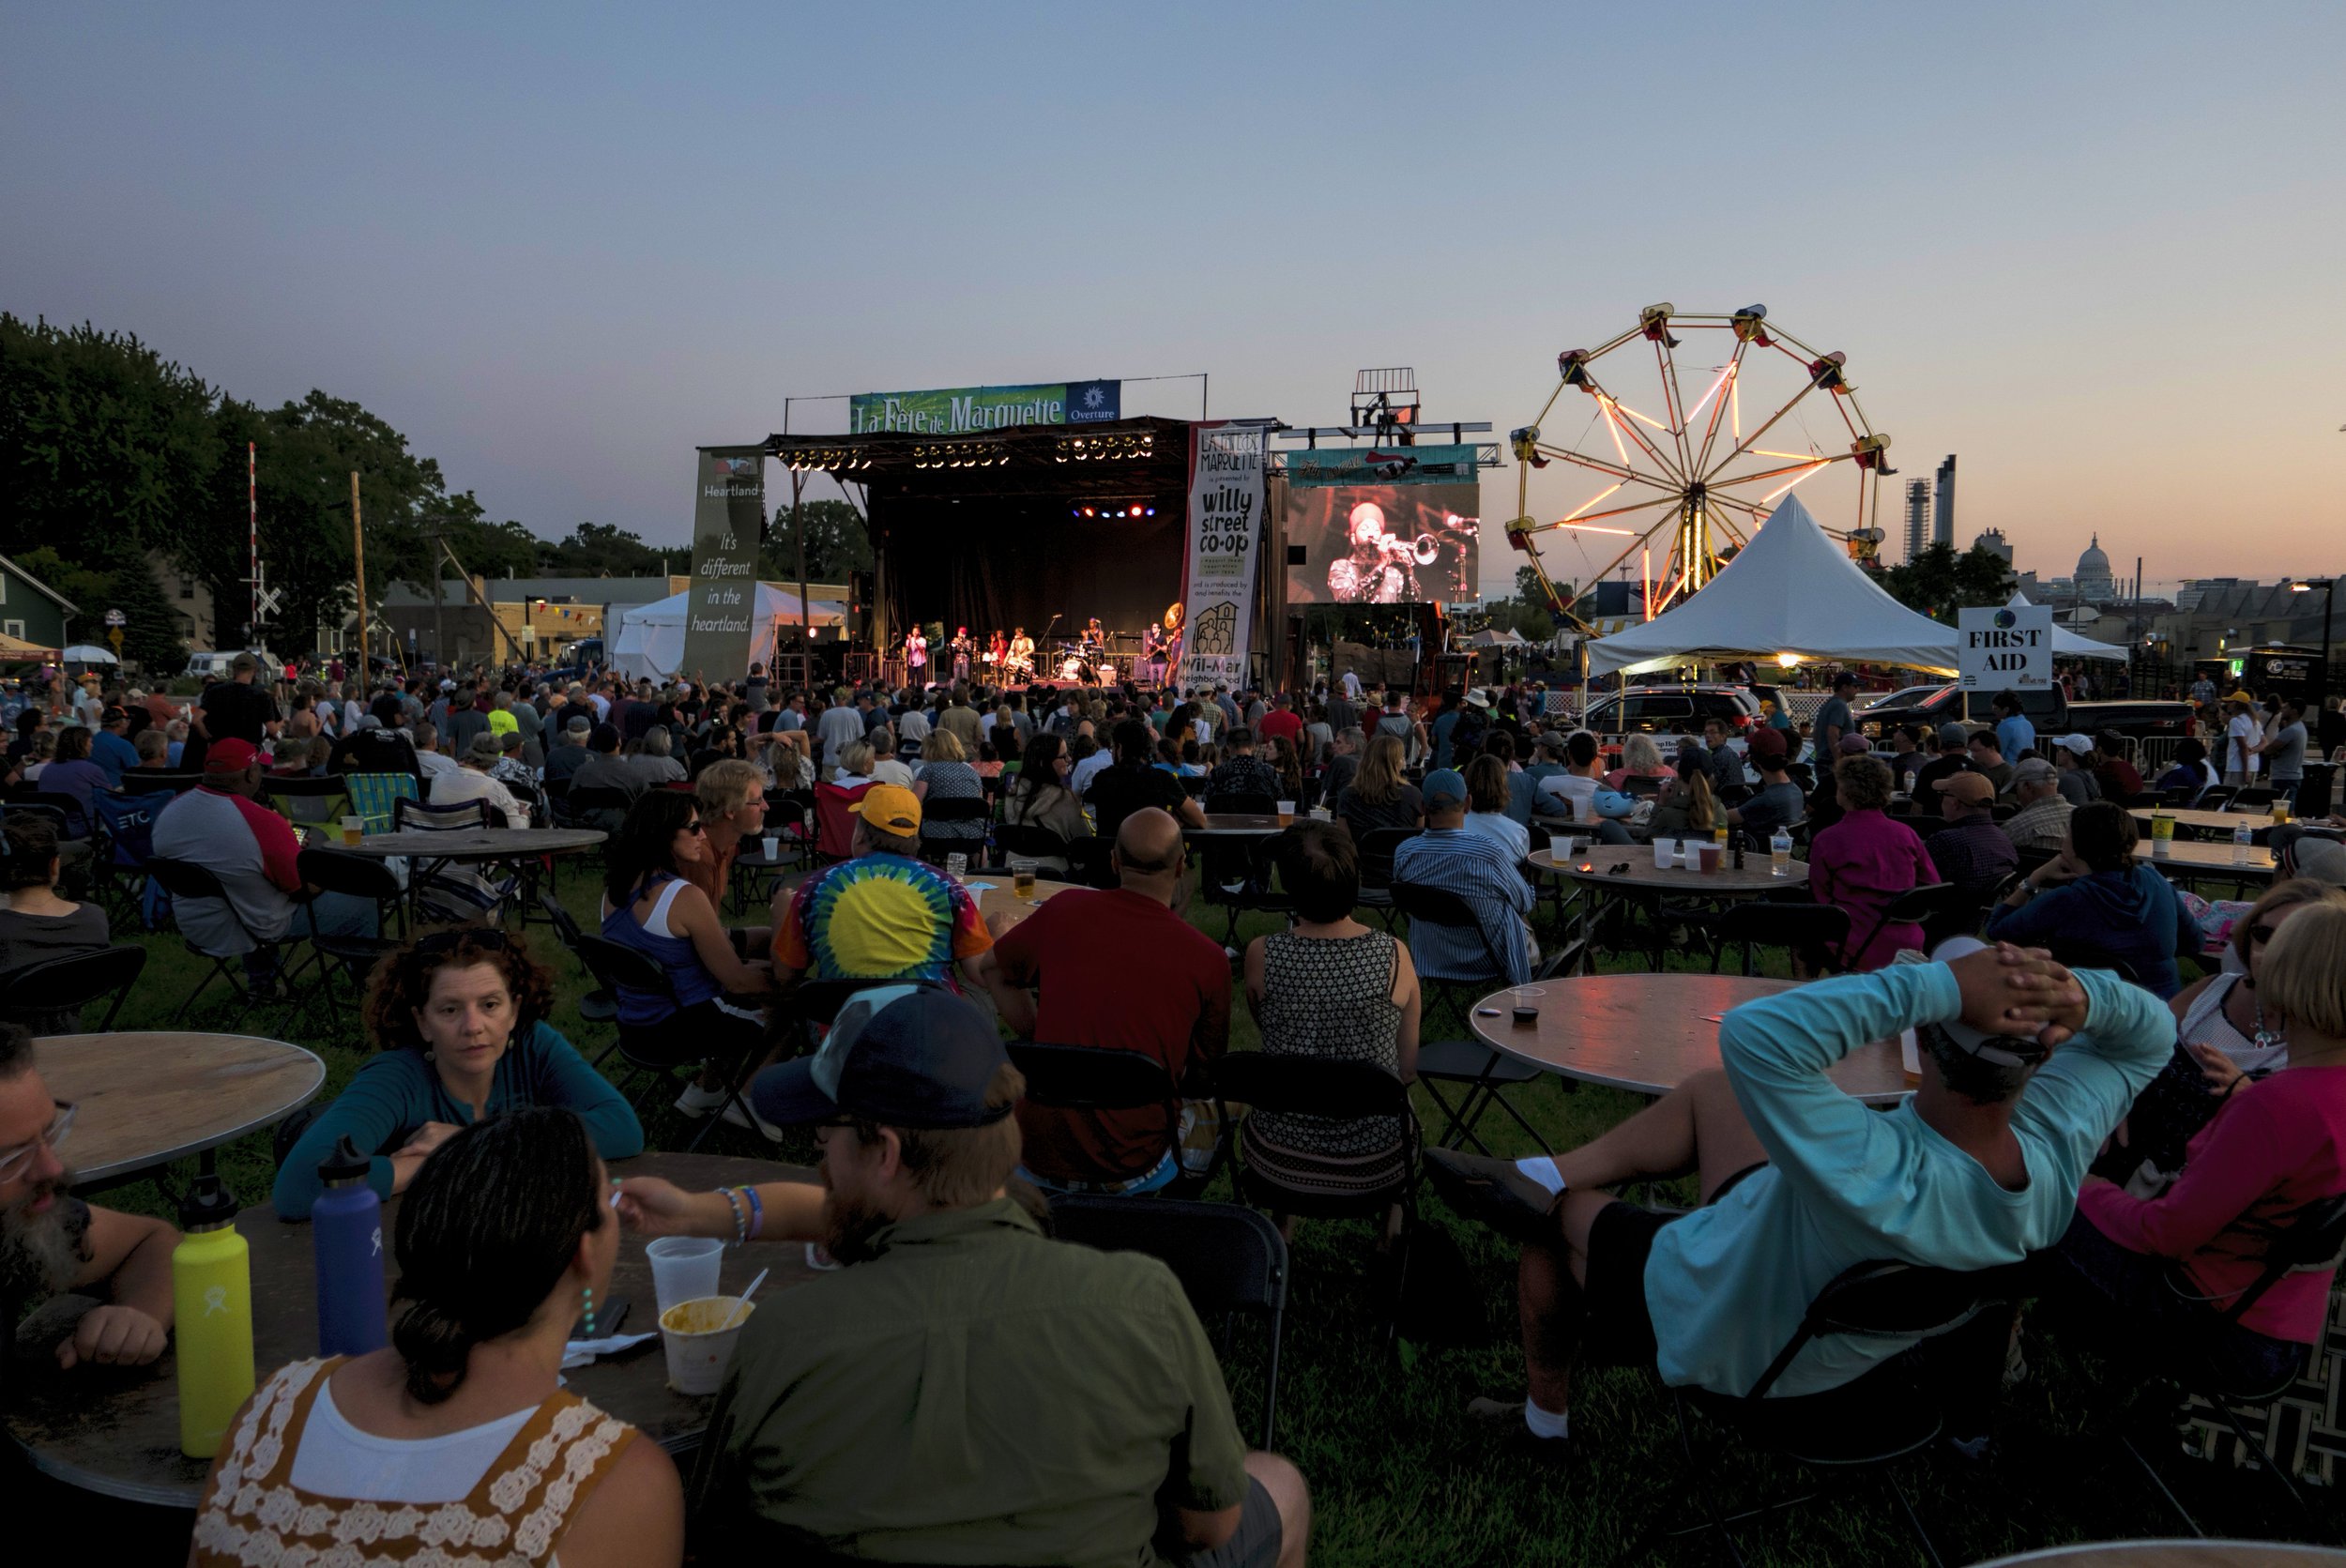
point(963, 1388)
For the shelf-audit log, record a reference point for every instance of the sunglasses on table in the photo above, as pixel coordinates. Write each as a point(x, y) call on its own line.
point(13, 1161)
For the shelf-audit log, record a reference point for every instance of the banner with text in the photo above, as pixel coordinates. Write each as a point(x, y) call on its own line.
point(2006, 647)
point(1226, 521)
point(974, 410)
point(729, 522)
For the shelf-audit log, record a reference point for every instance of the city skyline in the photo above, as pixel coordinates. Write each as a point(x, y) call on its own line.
point(559, 251)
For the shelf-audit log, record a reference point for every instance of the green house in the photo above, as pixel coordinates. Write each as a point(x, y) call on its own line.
point(30, 610)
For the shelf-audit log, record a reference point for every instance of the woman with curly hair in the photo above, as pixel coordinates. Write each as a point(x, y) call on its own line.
point(458, 1021)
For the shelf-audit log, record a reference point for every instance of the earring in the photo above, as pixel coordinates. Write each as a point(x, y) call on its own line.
point(431, 1055)
point(587, 1292)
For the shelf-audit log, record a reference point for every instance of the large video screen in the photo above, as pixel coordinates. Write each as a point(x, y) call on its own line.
point(1384, 544)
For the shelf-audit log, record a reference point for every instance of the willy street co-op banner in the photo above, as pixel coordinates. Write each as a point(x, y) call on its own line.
point(1225, 518)
point(729, 522)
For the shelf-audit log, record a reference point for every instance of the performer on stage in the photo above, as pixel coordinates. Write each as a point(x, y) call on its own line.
point(965, 651)
point(1020, 664)
point(1095, 640)
point(1173, 640)
point(916, 658)
point(1153, 655)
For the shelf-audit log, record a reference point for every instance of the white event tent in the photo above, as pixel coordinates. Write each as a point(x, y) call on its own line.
point(650, 644)
point(2067, 644)
point(1791, 590)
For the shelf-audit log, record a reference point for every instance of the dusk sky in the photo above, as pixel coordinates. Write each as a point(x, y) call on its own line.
point(2094, 250)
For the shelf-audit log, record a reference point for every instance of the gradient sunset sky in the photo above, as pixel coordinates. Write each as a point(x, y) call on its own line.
point(2095, 250)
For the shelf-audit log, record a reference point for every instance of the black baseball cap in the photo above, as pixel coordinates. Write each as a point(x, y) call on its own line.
point(901, 1056)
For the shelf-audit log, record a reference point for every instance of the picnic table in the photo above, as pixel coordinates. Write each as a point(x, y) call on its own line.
point(1648, 1034)
point(116, 1430)
point(150, 1097)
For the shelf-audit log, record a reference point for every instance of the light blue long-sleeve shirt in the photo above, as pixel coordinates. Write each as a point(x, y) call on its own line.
point(1728, 1285)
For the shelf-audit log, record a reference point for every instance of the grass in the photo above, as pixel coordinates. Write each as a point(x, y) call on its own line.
point(1399, 1481)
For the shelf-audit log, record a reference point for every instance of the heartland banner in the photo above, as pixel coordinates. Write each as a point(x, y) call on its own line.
point(1225, 525)
point(973, 410)
point(728, 522)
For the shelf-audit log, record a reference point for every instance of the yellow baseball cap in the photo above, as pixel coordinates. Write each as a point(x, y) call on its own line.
point(892, 809)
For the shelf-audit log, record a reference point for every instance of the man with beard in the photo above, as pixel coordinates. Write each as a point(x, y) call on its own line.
point(52, 1243)
point(967, 1389)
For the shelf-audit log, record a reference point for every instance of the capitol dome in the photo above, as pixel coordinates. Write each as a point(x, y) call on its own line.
point(2092, 574)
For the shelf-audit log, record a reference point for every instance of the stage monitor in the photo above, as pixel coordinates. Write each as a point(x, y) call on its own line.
point(1396, 525)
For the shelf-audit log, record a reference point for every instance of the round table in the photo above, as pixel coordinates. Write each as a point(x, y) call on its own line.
point(2175, 1553)
point(1237, 825)
point(2206, 822)
point(116, 1430)
point(149, 1098)
point(1648, 1034)
point(472, 843)
point(2191, 858)
point(998, 898)
point(1592, 871)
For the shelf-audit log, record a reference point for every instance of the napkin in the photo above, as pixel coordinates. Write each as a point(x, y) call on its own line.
point(582, 1352)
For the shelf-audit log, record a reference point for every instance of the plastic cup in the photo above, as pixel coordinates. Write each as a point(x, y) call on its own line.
point(698, 1344)
point(1022, 874)
point(1287, 813)
point(957, 866)
point(1664, 854)
point(354, 828)
point(1710, 853)
point(771, 843)
point(684, 1268)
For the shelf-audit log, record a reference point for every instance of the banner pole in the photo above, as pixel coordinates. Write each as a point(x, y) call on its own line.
point(252, 537)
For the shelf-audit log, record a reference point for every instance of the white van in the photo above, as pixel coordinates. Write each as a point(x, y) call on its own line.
point(213, 664)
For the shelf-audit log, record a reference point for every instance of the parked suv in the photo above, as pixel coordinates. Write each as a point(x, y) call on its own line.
point(1932, 706)
point(1660, 709)
point(2137, 720)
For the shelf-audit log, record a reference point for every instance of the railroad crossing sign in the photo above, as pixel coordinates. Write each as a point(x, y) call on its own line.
point(116, 618)
point(269, 602)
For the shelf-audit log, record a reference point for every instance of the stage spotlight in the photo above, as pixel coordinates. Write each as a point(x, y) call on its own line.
point(1135, 511)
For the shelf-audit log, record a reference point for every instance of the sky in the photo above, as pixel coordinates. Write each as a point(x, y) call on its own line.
point(2094, 250)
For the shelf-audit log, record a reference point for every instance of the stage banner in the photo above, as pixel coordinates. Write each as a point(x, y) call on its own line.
point(2008, 646)
point(729, 522)
point(973, 410)
point(1366, 465)
point(1225, 518)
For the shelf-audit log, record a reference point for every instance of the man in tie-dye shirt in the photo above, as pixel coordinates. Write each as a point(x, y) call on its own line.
point(885, 914)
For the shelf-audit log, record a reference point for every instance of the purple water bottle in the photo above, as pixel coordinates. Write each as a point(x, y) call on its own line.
point(346, 1227)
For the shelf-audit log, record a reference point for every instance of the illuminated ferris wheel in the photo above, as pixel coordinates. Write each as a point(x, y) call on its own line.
point(1685, 484)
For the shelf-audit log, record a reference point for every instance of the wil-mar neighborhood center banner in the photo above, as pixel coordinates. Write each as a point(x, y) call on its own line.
point(728, 522)
point(1226, 515)
point(973, 410)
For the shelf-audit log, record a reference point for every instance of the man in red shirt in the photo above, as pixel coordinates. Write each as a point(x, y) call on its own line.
point(2120, 780)
point(1283, 719)
point(1121, 970)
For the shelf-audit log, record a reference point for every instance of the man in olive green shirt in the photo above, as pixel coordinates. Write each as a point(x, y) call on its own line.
point(967, 1389)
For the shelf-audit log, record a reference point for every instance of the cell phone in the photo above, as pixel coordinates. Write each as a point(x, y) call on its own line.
point(1487, 1012)
point(609, 1318)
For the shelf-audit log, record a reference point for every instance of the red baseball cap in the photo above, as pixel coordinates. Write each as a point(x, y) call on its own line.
point(1768, 742)
point(230, 756)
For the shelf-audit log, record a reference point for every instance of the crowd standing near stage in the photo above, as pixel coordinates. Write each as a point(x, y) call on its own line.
point(2120, 1085)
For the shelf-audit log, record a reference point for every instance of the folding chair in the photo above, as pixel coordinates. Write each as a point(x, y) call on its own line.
point(1087, 863)
point(596, 1006)
point(120, 870)
point(1484, 1070)
point(450, 891)
point(934, 814)
point(1376, 857)
point(1812, 928)
point(1236, 803)
point(1098, 1078)
point(834, 819)
point(661, 1052)
point(303, 799)
point(353, 958)
point(375, 797)
point(1228, 1257)
point(1863, 1425)
point(149, 780)
point(1933, 902)
point(73, 982)
point(1027, 841)
point(1339, 1090)
point(184, 881)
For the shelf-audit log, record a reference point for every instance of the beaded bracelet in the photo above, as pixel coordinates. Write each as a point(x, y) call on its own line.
point(740, 1216)
point(757, 1212)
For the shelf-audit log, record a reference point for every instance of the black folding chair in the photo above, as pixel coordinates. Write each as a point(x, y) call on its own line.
point(1932, 903)
point(148, 781)
point(1818, 929)
point(1453, 1058)
point(75, 982)
point(597, 1006)
point(423, 817)
point(1863, 1425)
point(186, 880)
point(1098, 1078)
point(1087, 863)
point(1239, 803)
point(1228, 1257)
point(662, 1052)
point(1027, 841)
point(1336, 1090)
point(936, 813)
point(1374, 851)
point(351, 959)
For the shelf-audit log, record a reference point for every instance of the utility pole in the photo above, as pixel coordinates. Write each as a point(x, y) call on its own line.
point(358, 557)
point(439, 626)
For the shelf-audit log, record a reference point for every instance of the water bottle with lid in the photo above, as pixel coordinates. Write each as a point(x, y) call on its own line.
point(346, 1231)
point(211, 1299)
point(2242, 838)
point(1780, 852)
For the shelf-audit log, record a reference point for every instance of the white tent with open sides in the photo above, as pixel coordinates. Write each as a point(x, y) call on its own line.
point(2067, 644)
point(651, 643)
point(1791, 590)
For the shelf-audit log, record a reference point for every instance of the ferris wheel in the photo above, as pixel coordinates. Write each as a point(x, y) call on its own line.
point(1691, 482)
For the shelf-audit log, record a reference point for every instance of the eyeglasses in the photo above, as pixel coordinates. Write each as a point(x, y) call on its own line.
point(13, 1161)
point(692, 828)
point(2259, 934)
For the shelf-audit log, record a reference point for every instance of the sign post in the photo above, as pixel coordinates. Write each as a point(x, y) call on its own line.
point(2006, 648)
point(728, 522)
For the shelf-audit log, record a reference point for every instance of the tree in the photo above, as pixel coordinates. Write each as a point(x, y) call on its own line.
point(150, 633)
point(1937, 582)
point(600, 549)
point(837, 544)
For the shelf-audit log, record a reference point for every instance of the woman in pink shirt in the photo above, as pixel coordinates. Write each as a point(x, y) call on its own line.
point(1865, 860)
point(2276, 1148)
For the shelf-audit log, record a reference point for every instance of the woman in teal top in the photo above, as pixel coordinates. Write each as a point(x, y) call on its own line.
point(458, 1017)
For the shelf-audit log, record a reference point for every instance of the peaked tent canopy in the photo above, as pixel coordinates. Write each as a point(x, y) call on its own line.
point(2067, 644)
point(651, 643)
point(1790, 590)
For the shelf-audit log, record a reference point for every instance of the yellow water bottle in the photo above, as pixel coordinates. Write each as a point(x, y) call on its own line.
point(211, 1297)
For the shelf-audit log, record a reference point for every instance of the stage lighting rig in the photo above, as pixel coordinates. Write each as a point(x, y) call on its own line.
point(1100, 512)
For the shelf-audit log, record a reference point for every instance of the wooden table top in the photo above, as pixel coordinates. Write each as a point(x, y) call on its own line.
point(2194, 857)
point(148, 1098)
point(1235, 823)
point(116, 1430)
point(1596, 863)
point(998, 898)
point(2175, 1553)
point(474, 843)
point(2206, 822)
point(1650, 1032)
